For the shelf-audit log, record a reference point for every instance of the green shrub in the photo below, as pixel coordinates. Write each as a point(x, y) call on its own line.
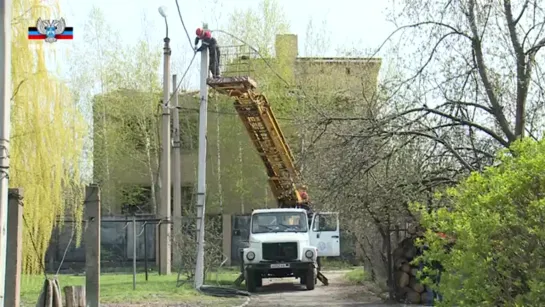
point(357, 276)
point(498, 220)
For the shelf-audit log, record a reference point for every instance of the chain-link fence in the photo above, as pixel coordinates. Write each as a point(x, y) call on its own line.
point(122, 241)
point(121, 234)
point(117, 245)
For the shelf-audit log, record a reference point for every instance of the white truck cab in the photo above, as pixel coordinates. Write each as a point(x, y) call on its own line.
point(286, 242)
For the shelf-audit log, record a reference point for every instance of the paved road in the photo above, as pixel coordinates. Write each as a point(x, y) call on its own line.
point(288, 292)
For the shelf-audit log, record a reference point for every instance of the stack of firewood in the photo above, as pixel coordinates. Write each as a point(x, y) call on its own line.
point(409, 289)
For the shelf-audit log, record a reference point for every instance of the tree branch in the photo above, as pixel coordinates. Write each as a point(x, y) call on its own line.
point(524, 6)
point(471, 104)
point(16, 91)
point(522, 70)
point(478, 49)
point(537, 47)
point(438, 140)
point(459, 120)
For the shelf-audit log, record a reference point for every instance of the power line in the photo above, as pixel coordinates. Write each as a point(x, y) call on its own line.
point(192, 59)
point(182, 79)
point(183, 24)
point(227, 113)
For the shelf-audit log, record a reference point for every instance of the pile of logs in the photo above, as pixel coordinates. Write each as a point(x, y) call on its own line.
point(408, 287)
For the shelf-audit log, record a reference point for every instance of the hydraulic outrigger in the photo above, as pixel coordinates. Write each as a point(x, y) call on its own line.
point(258, 118)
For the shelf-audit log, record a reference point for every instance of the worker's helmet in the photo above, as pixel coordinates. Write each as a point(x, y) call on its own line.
point(207, 34)
point(199, 32)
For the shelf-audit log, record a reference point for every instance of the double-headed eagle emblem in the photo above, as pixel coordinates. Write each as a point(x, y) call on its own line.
point(50, 28)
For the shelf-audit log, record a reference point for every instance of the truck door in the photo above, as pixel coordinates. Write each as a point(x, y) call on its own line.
point(324, 234)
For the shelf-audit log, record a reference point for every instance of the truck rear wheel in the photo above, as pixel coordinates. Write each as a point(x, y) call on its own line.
point(310, 279)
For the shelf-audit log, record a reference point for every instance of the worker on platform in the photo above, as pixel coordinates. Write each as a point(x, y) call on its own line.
point(210, 43)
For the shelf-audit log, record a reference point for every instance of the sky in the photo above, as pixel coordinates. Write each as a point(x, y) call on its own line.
point(351, 23)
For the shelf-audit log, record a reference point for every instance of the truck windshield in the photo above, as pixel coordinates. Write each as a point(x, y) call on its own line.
point(279, 222)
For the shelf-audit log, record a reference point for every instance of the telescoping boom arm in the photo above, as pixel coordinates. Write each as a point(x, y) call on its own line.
point(258, 118)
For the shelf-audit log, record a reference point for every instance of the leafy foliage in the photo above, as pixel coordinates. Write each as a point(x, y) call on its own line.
point(497, 219)
point(47, 137)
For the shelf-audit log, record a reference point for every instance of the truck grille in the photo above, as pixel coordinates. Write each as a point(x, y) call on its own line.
point(284, 251)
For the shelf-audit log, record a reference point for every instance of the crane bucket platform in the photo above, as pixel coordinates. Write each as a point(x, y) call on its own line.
point(258, 118)
point(232, 86)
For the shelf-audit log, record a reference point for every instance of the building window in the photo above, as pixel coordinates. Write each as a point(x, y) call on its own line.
point(136, 199)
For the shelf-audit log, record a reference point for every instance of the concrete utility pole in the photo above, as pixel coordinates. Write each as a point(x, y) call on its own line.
point(176, 165)
point(14, 261)
point(5, 94)
point(164, 206)
point(91, 239)
point(201, 184)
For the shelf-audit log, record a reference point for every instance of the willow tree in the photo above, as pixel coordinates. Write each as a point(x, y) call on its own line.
point(46, 139)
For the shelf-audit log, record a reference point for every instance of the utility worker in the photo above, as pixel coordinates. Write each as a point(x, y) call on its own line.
point(213, 50)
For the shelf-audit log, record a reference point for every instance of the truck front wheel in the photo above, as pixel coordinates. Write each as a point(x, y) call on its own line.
point(250, 277)
point(310, 279)
point(258, 280)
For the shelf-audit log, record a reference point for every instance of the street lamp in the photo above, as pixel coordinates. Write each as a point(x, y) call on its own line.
point(164, 205)
point(163, 12)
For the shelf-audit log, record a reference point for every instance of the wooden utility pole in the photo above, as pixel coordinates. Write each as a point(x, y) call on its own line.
point(92, 245)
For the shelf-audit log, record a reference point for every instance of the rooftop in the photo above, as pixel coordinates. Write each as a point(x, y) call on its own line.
point(339, 60)
point(278, 210)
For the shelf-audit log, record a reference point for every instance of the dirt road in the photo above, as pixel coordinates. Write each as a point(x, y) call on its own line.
point(288, 292)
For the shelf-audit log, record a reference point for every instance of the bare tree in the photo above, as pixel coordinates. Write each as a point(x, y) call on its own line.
point(473, 84)
point(469, 82)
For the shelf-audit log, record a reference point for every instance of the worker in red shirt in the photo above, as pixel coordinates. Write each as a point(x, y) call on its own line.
point(210, 43)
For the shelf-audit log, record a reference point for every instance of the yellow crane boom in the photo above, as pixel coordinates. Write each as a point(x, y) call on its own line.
point(258, 118)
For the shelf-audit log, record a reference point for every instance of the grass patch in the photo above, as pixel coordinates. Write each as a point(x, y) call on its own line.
point(357, 276)
point(335, 264)
point(118, 288)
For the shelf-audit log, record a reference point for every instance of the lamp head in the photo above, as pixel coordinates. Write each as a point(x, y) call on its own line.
point(163, 11)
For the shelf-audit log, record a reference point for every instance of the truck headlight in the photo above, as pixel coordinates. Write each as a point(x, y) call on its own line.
point(309, 254)
point(250, 256)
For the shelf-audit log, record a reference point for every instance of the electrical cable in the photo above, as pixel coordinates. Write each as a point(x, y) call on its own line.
point(209, 290)
point(217, 290)
point(35, 246)
point(192, 59)
point(222, 291)
point(182, 79)
point(227, 113)
point(183, 24)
